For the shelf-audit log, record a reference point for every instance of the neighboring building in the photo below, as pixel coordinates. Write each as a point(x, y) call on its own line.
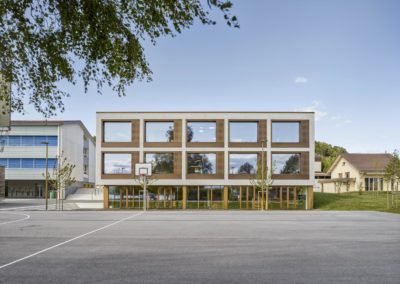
point(24, 155)
point(205, 159)
point(354, 172)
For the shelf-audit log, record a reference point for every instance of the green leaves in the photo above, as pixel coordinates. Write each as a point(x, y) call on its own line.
point(43, 42)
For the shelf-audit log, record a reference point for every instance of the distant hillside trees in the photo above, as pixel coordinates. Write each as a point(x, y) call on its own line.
point(328, 153)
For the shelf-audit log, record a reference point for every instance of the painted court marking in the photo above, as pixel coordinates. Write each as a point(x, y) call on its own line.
point(70, 240)
point(26, 216)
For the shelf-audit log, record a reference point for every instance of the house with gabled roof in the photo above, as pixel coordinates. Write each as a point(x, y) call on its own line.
point(355, 172)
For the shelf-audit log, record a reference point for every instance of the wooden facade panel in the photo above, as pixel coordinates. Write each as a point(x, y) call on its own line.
point(135, 134)
point(219, 168)
point(135, 160)
point(304, 135)
point(219, 135)
point(304, 167)
point(261, 135)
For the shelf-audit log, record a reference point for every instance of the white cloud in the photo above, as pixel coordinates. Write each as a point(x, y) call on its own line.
point(316, 107)
point(300, 80)
point(340, 120)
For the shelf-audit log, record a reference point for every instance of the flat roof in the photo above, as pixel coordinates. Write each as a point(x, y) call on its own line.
point(310, 112)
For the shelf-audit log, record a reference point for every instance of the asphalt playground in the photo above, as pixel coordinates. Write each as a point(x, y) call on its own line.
point(197, 246)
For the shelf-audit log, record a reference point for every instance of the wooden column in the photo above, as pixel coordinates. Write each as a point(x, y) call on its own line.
point(158, 197)
point(310, 198)
point(198, 197)
point(165, 198)
point(254, 197)
point(170, 198)
point(126, 197)
point(247, 197)
point(133, 196)
point(287, 197)
point(240, 197)
point(225, 197)
point(120, 198)
point(105, 197)
point(184, 197)
point(295, 197)
point(280, 198)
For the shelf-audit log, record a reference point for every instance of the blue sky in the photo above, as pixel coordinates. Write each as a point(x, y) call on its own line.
point(339, 58)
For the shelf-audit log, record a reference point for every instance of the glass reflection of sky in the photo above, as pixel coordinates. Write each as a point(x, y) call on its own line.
point(117, 131)
point(117, 163)
point(286, 132)
point(159, 131)
point(202, 131)
point(237, 160)
point(243, 131)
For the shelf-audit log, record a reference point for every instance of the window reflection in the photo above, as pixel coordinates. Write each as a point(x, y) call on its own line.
point(286, 132)
point(286, 163)
point(159, 131)
point(243, 131)
point(201, 132)
point(162, 163)
point(117, 163)
point(117, 132)
point(243, 163)
point(200, 163)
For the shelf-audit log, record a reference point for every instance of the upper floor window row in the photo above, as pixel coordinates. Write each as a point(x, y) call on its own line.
point(27, 163)
point(204, 131)
point(18, 140)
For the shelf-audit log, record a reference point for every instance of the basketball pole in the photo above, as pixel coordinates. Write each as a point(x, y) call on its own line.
point(144, 193)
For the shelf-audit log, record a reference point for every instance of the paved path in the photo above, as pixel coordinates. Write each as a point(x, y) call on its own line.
point(199, 247)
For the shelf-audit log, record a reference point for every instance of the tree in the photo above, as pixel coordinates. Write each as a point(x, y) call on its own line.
point(246, 168)
point(43, 42)
point(189, 134)
point(392, 173)
point(61, 177)
point(291, 165)
point(200, 161)
point(263, 180)
point(163, 163)
point(328, 153)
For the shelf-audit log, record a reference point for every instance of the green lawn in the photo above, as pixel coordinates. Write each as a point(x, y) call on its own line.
point(354, 201)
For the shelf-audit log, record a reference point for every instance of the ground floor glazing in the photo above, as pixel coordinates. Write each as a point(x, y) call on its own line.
point(208, 197)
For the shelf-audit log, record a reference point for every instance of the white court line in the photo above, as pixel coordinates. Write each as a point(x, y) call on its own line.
point(70, 240)
point(9, 222)
point(30, 206)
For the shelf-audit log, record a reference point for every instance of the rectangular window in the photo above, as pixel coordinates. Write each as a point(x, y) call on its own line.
point(38, 140)
point(117, 163)
point(53, 140)
point(286, 132)
point(243, 163)
point(201, 163)
point(26, 140)
point(14, 140)
point(41, 164)
point(27, 163)
point(286, 163)
point(160, 131)
point(117, 131)
point(162, 163)
point(199, 131)
point(243, 131)
point(3, 162)
point(14, 163)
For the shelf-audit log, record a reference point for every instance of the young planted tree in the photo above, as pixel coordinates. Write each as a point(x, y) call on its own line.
point(43, 42)
point(263, 181)
point(61, 178)
point(392, 175)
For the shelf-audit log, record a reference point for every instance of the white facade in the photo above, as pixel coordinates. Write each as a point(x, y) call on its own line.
point(70, 144)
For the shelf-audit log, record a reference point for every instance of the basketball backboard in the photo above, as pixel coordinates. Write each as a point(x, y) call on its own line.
point(143, 169)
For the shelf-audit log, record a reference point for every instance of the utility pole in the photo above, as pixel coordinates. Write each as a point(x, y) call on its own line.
point(46, 190)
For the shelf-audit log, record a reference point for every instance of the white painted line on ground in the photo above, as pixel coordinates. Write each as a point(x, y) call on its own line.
point(30, 206)
point(14, 221)
point(70, 240)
